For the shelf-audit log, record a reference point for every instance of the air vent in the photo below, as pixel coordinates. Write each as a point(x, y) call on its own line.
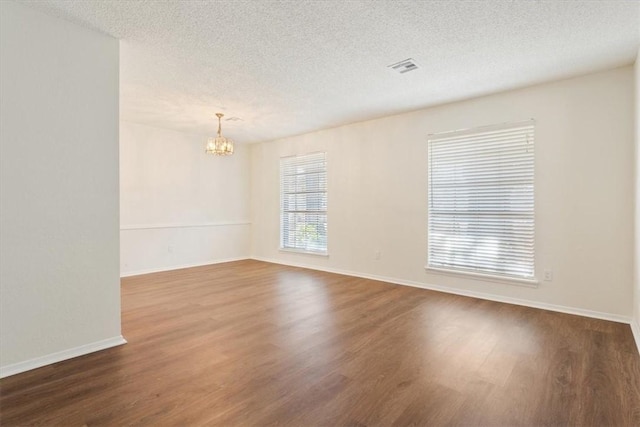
point(404, 66)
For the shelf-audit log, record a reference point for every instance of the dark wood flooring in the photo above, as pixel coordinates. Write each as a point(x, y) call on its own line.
point(254, 344)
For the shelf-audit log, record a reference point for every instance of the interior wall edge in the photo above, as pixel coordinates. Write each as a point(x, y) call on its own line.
point(635, 329)
point(636, 269)
point(463, 292)
point(49, 359)
point(59, 203)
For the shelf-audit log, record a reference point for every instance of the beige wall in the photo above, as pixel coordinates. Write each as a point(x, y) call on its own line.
point(178, 205)
point(59, 281)
point(377, 192)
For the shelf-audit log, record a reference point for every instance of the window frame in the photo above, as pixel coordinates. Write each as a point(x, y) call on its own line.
point(495, 276)
point(281, 246)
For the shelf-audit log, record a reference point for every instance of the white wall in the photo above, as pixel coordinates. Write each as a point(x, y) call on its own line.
point(179, 206)
point(377, 193)
point(59, 282)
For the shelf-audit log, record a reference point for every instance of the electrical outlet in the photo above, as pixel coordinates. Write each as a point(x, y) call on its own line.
point(376, 255)
point(548, 275)
point(170, 249)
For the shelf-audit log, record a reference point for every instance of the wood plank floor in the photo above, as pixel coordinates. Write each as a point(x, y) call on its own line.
point(251, 344)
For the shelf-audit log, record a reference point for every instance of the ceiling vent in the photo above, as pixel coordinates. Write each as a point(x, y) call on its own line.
point(404, 66)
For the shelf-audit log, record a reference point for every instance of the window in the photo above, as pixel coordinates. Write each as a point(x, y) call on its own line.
point(303, 203)
point(481, 205)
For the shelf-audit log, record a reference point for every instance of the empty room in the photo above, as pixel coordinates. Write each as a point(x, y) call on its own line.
point(319, 213)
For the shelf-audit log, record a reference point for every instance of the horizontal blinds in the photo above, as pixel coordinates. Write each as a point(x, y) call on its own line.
point(481, 201)
point(303, 202)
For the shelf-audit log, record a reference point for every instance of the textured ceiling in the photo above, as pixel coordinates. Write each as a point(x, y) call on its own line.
point(290, 67)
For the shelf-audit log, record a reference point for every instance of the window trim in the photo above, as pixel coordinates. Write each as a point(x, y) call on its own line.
point(533, 281)
point(529, 283)
point(304, 252)
point(281, 247)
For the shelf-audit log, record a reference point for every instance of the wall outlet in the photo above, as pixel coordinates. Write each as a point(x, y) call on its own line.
point(376, 255)
point(548, 275)
point(170, 249)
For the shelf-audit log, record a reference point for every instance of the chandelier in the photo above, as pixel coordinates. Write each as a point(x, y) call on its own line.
point(219, 146)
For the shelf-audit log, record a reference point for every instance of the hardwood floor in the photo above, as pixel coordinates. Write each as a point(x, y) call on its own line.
point(249, 343)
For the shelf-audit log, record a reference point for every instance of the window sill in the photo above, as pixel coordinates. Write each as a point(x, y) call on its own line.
point(529, 283)
point(301, 251)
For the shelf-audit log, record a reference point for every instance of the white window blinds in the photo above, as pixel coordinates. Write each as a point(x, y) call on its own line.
point(303, 203)
point(481, 204)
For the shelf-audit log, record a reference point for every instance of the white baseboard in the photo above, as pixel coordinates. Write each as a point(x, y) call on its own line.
point(635, 329)
point(178, 267)
point(463, 292)
point(38, 362)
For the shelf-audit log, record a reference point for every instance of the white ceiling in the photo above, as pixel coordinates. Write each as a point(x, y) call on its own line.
point(290, 67)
